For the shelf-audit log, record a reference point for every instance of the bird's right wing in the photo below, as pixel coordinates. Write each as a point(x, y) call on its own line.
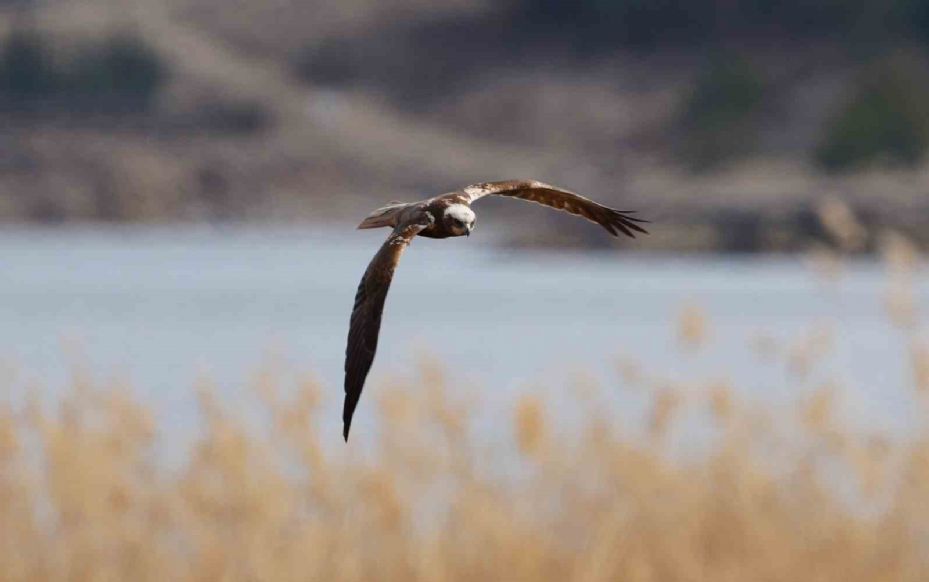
point(365, 323)
point(614, 221)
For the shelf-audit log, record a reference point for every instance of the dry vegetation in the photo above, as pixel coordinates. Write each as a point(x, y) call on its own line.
point(787, 498)
point(765, 495)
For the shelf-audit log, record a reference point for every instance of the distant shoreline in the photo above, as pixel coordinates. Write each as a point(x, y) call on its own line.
point(494, 236)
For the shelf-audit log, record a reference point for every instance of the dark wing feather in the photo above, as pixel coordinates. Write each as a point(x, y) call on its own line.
point(614, 221)
point(365, 323)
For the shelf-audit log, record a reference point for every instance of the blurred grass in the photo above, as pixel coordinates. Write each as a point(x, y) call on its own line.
point(797, 496)
point(426, 493)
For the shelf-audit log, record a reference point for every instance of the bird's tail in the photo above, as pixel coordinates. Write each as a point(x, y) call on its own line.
point(385, 216)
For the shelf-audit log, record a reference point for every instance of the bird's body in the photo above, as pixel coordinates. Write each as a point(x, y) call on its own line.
point(450, 205)
point(444, 216)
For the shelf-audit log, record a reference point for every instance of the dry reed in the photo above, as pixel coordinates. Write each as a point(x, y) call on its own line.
point(428, 497)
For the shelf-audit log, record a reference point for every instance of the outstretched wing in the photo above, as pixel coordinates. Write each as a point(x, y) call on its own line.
point(614, 221)
point(365, 323)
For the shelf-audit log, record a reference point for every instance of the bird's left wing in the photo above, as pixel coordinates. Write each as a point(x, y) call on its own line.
point(365, 323)
point(614, 221)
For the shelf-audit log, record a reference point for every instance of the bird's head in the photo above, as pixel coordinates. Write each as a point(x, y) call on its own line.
point(459, 219)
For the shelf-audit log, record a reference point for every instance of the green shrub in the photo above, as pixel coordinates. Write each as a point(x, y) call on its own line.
point(719, 114)
point(886, 119)
point(596, 24)
point(27, 72)
point(912, 17)
point(121, 73)
point(604, 24)
point(335, 62)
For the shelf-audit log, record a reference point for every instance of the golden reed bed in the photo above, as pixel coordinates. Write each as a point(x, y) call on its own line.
point(794, 497)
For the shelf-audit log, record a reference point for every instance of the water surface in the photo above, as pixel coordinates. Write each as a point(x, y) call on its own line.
point(162, 307)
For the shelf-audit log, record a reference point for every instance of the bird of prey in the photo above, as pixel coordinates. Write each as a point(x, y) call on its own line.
point(443, 216)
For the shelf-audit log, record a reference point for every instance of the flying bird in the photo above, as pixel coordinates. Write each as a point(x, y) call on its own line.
point(444, 216)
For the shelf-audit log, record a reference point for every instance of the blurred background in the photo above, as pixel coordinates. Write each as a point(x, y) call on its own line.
point(739, 395)
point(729, 121)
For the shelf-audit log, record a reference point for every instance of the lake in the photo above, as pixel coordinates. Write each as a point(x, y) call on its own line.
point(159, 308)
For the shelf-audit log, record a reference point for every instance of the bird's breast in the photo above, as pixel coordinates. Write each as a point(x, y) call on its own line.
point(435, 231)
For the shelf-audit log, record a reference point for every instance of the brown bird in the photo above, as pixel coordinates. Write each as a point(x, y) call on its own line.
point(444, 216)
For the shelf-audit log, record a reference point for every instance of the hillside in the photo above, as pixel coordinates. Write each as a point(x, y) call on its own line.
point(305, 111)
